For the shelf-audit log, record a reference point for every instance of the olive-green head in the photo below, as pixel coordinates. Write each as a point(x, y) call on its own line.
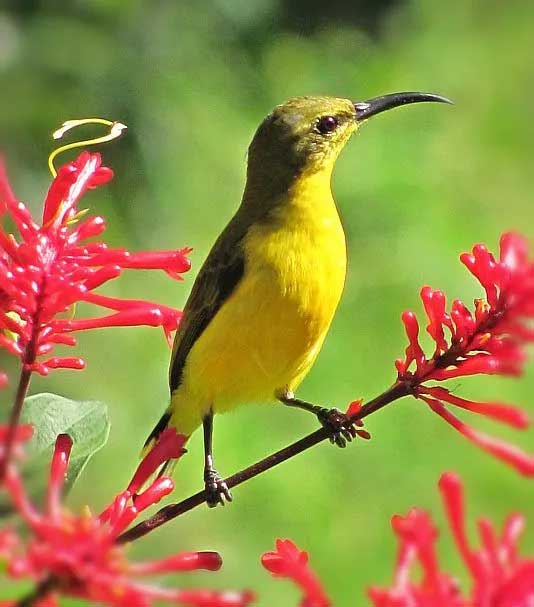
point(306, 134)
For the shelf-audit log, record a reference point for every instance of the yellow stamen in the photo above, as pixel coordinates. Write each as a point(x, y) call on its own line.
point(77, 217)
point(115, 131)
point(484, 338)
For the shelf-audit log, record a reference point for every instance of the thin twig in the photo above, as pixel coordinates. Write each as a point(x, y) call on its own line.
point(167, 513)
point(14, 418)
point(41, 591)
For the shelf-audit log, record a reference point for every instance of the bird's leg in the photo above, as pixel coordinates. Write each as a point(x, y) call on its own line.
point(341, 430)
point(216, 489)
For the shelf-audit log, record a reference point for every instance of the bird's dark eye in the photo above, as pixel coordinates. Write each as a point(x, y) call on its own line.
point(327, 124)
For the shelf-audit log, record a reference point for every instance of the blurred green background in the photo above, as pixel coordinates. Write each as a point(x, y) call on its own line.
point(417, 186)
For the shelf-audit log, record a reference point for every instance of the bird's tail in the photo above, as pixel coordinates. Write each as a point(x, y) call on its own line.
point(156, 432)
point(168, 467)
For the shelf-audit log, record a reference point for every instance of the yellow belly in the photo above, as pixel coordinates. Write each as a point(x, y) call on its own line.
point(267, 335)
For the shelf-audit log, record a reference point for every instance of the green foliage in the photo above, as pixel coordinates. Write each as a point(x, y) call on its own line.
point(417, 186)
point(86, 422)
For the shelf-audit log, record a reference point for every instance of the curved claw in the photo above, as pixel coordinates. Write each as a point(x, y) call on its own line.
point(217, 491)
point(341, 430)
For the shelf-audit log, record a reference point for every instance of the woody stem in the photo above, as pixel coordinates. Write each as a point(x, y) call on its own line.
point(167, 513)
point(14, 418)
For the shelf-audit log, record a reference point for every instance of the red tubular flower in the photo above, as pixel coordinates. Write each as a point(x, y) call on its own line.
point(499, 576)
point(289, 562)
point(79, 553)
point(353, 410)
point(52, 266)
point(22, 435)
point(488, 340)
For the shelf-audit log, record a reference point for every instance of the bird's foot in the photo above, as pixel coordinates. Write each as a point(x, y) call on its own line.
point(217, 491)
point(340, 429)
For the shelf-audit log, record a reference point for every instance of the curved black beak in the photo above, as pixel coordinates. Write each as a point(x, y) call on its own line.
point(371, 107)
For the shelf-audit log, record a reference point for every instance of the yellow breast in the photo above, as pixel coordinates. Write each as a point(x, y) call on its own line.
point(295, 266)
point(266, 336)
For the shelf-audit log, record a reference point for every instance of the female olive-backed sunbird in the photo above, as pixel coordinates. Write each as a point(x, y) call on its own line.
point(264, 299)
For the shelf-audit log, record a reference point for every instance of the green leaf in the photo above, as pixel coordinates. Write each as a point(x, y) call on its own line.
point(86, 422)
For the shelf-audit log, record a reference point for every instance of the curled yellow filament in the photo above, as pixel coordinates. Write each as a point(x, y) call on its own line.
point(115, 130)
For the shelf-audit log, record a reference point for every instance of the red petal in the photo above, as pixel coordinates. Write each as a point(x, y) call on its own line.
point(170, 261)
point(65, 363)
point(507, 414)
point(513, 250)
point(475, 365)
point(509, 454)
point(170, 445)
point(452, 495)
point(290, 562)
point(58, 470)
point(414, 352)
point(434, 304)
point(184, 561)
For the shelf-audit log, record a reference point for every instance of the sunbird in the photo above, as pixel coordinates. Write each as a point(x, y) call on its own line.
point(263, 301)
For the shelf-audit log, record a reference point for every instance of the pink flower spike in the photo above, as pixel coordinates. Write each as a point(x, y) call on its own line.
point(289, 562)
point(489, 340)
point(170, 445)
point(83, 553)
point(58, 470)
point(499, 576)
point(47, 268)
point(184, 561)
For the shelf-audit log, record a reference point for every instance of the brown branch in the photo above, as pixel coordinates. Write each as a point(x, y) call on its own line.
point(14, 418)
point(172, 511)
point(41, 591)
point(167, 513)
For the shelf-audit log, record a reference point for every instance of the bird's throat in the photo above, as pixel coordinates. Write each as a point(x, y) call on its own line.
point(287, 188)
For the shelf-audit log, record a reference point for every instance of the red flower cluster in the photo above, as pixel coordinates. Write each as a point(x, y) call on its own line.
point(489, 340)
point(291, 563)
point(78, 556)
point(52, 266)
point(499, 576)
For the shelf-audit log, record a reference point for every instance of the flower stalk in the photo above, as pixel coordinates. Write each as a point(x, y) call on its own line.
point(14, 419)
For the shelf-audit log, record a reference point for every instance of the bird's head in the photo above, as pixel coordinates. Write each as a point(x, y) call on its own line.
point(306, 134)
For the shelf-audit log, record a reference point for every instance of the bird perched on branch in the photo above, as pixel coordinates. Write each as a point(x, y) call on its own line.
point(263, 301)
